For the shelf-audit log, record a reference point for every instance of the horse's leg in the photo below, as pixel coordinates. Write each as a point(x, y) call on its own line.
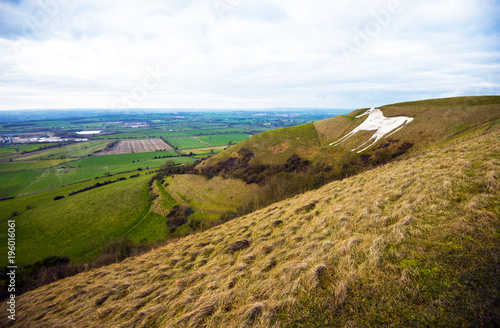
point(336, 143)
point(405, 123)
point(367, 141)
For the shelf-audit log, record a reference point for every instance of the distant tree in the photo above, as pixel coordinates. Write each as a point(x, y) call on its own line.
point(15, 213)
point(58, 197)
point(230, 142)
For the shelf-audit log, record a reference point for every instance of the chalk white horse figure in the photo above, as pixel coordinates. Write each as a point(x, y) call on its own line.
point(378, 122)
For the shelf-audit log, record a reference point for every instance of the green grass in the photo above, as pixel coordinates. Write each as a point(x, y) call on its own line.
point(185, 142)
point(125, 135)
point(13, 150)
point(11, 183)
point(276, 146)
point(71, 226)
point(151, 228)
point(168, 134)
point(97, 166)
point(223, 139)
point(30, 165)
point(204, 152)
point(75, 150)
point(166, 200)
point(210, 196)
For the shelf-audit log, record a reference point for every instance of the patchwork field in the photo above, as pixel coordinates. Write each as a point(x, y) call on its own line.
point(137, 146)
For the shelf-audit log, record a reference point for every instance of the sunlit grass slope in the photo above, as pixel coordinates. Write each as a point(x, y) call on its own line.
point(75, 225)
point(210, 196)
point(414, 243)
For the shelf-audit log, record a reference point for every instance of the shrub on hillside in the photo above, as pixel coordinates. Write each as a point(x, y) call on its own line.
point(178, 216)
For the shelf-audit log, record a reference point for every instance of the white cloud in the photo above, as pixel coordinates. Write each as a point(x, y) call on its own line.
point(319, 53)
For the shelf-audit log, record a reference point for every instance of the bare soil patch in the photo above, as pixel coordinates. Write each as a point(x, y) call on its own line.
point(137, 146)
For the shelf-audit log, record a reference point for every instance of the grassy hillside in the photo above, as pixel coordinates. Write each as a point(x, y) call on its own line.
point(434, 120)
point(411, 243)
point(275, 146)
point(215, 196)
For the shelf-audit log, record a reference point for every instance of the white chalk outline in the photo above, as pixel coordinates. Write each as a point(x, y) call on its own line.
point(378, 122)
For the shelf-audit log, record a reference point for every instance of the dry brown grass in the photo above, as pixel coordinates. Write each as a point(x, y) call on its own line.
point(412, 243)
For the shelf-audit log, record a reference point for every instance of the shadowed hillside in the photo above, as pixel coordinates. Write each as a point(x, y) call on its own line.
point(411, 243)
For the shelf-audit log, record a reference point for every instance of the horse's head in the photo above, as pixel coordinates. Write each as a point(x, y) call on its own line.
point(368, 112)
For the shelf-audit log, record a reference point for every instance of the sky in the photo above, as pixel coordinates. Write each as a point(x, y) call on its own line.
point(245, 54)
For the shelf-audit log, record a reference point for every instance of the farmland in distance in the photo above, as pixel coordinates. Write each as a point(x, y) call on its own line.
point(137, 146)
point(75, 190)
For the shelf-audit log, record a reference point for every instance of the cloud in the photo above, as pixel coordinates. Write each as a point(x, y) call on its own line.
point(245, 53)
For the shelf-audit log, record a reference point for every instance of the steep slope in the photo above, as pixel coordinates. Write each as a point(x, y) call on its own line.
point(433, 120)
point(411, 243)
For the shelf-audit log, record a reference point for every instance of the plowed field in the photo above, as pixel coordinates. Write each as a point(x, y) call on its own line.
point(137, 146)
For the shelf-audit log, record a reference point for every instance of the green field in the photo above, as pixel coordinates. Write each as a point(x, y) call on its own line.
point(25, 178)
point(74, 150)
point(7, 151)
point(185, 143)
point(124, 135)
point(74, 225)
point(168, 134)
point(91, 167)
point(30, 165)
point(223, 139)
point(11, 183)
